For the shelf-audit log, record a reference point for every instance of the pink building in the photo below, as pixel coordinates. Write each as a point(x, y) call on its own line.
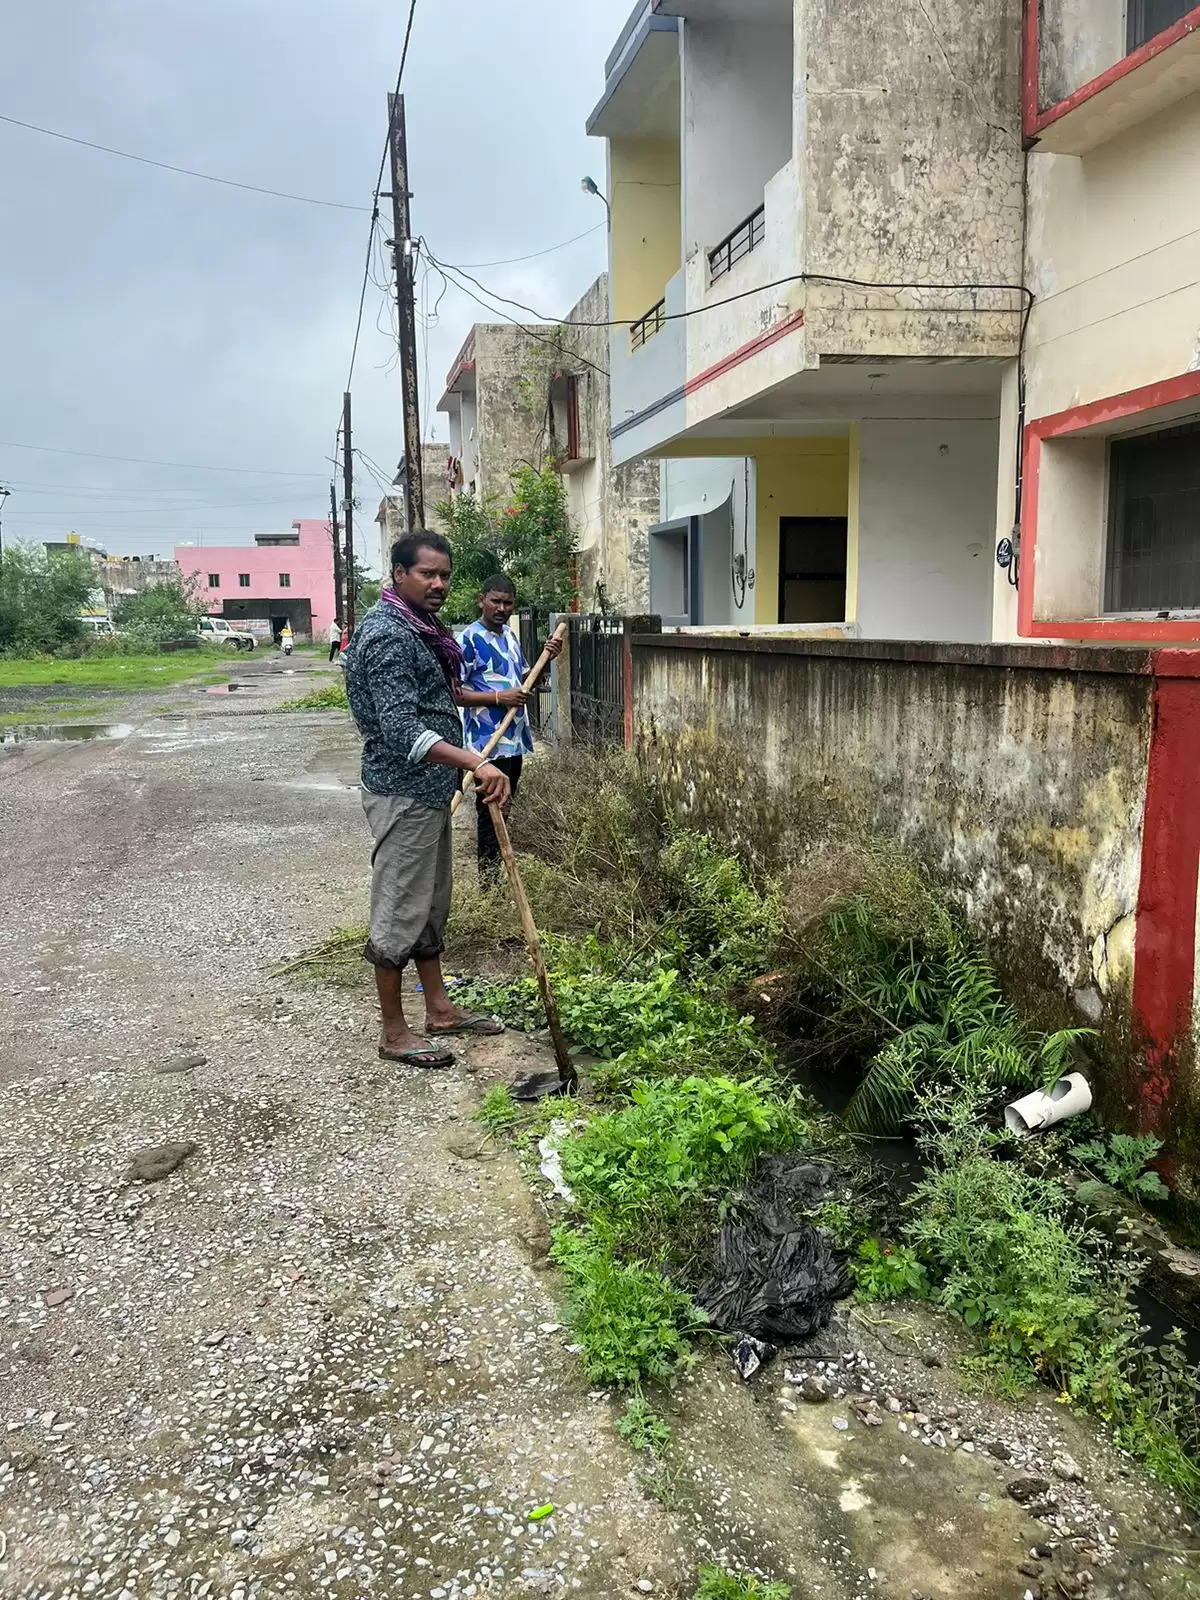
point(281, 577)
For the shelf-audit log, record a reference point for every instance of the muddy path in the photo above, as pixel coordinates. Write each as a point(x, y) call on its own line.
point(323, 1354)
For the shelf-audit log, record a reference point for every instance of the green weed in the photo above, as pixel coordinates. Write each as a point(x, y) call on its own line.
point(722, 925)
point(330, 698)
point(643, 1427)
point(718, 1584)
point(633, 1325)
point(660, 1168)
point(845, 1224)
point(888, 1272)
point(929, 1007)
point(498, 1109)
point(1122, 1160)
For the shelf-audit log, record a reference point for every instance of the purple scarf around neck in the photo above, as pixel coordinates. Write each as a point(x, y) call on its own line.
point(434, 633)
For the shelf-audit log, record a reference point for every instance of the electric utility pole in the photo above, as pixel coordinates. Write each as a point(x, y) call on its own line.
point(336, 534)
point(4, 494)
point(348, 507)
point(404, 253)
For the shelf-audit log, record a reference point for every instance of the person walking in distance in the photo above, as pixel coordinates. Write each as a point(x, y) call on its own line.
point(335, 639)
point(403, 670)
point(494, 668)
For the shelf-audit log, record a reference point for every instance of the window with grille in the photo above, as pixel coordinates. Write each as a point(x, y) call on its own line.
point(243, 580)
point(285, 580)
point(1154, 522)
point(214, 580)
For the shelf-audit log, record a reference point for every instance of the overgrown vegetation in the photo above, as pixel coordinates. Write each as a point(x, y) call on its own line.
point(663, 949)
point(332, 697)
point(160, 614)
point(45, 596)
point(643, 1427)
point(42, 598)
point(1122, 1160)
point(718, 1584)
point(907, 988)
point(532, 539)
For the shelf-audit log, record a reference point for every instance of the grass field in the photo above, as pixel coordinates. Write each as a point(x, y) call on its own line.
point(114, 672)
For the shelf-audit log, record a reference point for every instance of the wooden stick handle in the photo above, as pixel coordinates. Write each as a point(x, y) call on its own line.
point(567, 1076)
point(535, 672)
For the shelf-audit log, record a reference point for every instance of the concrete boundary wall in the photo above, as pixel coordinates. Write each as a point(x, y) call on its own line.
point(1055, 793)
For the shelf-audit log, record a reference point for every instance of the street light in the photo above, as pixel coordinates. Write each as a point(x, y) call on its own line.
point(589, 186)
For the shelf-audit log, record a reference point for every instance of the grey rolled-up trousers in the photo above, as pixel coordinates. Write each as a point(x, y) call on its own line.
point(410, 879)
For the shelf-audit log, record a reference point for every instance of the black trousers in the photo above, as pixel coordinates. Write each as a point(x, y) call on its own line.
point(487, 845)
point(335, 649)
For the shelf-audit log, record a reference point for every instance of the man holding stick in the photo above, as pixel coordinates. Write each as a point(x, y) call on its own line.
point(403, 681)
point(494, 669)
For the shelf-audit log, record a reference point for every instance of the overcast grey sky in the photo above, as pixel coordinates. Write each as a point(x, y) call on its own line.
point(150, 315)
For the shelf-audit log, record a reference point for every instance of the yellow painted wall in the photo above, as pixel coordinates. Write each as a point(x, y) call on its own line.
point(805, 477)
point(646, 250)
point(796, 478)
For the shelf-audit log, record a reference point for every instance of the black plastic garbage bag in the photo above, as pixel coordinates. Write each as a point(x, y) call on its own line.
point(778, 1278)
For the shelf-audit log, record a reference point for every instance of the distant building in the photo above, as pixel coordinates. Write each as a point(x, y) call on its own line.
point(435, 479)
point(281, 578)
point(122, 577)
point(118, 577)
point(496, 401)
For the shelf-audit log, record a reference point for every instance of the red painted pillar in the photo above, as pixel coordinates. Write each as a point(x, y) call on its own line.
point(1165, 938)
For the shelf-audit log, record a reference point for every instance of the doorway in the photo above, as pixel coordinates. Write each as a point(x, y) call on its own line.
point(812, 569)
point(674, 574)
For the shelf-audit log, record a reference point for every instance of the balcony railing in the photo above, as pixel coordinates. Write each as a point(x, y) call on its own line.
point(747, 236)
point(646, 327)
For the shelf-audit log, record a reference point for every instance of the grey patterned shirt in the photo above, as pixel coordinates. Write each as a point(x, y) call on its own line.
point(402, 703)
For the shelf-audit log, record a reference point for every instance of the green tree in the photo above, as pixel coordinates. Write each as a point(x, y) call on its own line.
point(532, 540)
point(160, 611)
point(42, 597)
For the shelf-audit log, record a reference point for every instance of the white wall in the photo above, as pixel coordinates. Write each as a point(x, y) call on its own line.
point(1112, 258)
point(1078, 40)
point(737, 115)
point(701, 486)
point(926, 529)
point(469, 453)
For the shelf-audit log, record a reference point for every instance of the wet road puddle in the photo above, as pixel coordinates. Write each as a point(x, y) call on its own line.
point(64, 732)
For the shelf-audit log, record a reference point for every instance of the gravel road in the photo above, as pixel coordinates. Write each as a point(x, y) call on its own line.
point(276, 1322)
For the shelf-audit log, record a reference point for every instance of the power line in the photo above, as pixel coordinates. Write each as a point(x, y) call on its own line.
point(510, 261)
point(523, 326)
point(362, 293)
point(185, 172)
point(146, 461)
point(746, 294)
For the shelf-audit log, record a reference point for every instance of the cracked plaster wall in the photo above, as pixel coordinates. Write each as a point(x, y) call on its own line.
point(913, 168)
point(1021, 788)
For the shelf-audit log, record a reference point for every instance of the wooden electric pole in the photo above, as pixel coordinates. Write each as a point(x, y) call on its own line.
point(402, 249)
point(336, 535)
point(348, 507)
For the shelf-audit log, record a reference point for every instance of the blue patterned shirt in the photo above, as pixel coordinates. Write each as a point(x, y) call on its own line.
point(494, 661)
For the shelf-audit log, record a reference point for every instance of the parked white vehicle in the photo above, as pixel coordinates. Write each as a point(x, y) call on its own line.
point(215, 630)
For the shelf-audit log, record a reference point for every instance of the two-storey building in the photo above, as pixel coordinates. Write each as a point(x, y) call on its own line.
point(908, 274)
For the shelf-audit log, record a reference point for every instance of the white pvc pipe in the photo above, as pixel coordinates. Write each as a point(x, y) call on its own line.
point(1033, 1113)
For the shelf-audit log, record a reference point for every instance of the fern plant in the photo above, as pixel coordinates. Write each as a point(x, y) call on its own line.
point(950, 1025)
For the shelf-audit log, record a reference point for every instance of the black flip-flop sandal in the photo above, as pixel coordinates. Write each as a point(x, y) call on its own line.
point(430, 1058)
point(475, 1022)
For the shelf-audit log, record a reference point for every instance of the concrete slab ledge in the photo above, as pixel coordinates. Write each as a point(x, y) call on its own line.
point(1129, 661)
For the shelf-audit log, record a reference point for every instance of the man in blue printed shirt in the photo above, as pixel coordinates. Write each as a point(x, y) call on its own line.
point(494, 665)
